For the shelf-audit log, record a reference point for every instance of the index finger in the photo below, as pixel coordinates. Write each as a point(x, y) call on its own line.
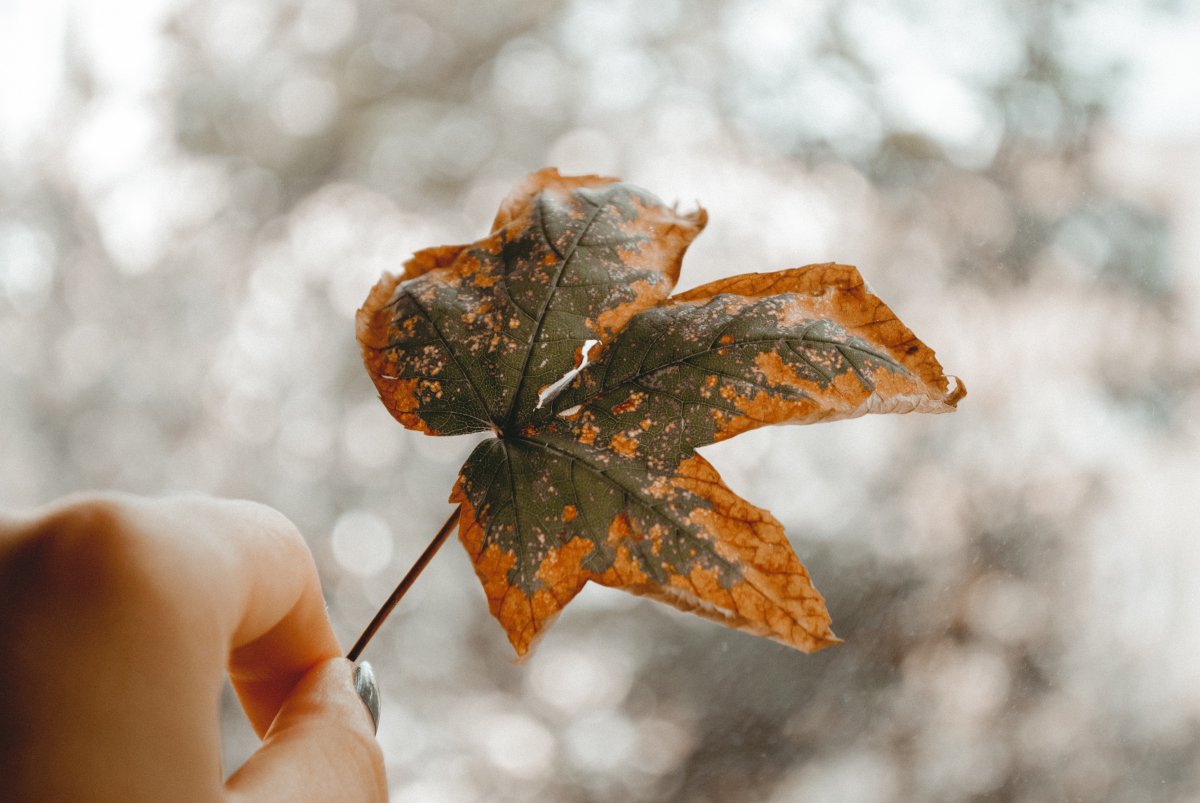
point(235, 573)
point(263, 587)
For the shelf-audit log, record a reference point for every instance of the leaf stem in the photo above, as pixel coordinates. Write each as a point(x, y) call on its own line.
point(405, 584)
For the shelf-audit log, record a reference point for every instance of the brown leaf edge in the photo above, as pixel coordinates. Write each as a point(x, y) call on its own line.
point(773, 598)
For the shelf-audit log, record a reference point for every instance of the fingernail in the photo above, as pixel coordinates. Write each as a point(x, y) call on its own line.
point(368, 690)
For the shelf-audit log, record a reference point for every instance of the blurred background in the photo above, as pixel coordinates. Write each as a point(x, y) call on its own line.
point(196, 196)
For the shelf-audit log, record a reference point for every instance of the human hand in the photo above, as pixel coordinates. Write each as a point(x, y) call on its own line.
point(120, 617)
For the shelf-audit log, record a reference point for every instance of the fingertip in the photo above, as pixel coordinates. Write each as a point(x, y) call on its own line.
point(321, 745)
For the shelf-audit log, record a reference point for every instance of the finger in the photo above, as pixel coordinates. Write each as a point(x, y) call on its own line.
point(235, 576)
point(121, 617)
point(112, 661)
point(321, 746)
point(282, 629)
point(270, 601)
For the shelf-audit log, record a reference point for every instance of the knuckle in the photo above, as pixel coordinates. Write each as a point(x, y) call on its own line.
point(284, 534)
point(85, 550)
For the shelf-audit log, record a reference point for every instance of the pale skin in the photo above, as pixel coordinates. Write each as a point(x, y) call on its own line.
point(120, 618)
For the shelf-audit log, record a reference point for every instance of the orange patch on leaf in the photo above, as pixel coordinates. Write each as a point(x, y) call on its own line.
point(588, 433)
point(428, 259)
point(569, 513)
point(810, 280)
point(400, 398)
point(847, 396)
point(562, 571)
point(761, 408)
point(667, 234)
point(520, 201)
point(630, 404)
point(706, 585)
point(493, 566)
point(523, 617)
point(469, 531)
point(778, 372)
point(646, 295)
point(838, 293)
point(374, 329)
point(619, 529)
point(515, 612)
point(623, 445)
point(774, 596)
point(626, 572)
point(526, 617)
point(373, 319)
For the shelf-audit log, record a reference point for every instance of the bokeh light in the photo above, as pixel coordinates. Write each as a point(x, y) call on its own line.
point(197, 194)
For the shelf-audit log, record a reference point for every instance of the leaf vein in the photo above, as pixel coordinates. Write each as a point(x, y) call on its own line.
point(564, 260)
point(450, 351)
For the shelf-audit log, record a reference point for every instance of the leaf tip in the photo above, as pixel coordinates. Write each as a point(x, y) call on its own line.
point(833, 642)
point(546, 179)
point(956, 392)
point(698, 217)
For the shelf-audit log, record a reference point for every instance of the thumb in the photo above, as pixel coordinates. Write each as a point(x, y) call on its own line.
point(320, 747)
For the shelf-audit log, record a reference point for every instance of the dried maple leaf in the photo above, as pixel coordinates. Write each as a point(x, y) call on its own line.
point(557, 333)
